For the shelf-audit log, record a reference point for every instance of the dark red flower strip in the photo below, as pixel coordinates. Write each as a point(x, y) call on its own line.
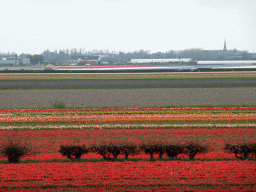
point(125, 174)
point(220, 188)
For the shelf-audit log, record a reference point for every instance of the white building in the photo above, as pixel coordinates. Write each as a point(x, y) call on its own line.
point(9, 62)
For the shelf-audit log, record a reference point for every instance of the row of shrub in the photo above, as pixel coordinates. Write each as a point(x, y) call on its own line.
point(110, 150)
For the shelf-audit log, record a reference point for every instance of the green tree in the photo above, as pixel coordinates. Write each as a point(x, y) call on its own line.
point(246, 55)
point(35, 59)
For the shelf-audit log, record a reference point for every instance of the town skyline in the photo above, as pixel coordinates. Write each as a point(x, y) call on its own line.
point(82, 51)
point(98, 57)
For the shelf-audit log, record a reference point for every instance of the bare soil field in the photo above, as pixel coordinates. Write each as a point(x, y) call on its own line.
point(129, 83)
point(127, 97)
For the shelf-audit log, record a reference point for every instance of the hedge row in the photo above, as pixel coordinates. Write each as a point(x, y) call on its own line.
point(154, 147)
point(110, 150)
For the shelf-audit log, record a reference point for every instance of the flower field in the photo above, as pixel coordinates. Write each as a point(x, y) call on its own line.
point(46, 169)
point(107, 76)
point(128, 175)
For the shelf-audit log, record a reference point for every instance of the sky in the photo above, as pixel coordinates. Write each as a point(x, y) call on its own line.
point(32, 26)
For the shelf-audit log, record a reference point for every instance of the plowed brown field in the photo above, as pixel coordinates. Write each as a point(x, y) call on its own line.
point(40, 98)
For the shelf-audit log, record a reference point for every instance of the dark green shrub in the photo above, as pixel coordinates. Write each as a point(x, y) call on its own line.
point(115, 149)
point(194, 147)
point(14, 150)
point(108, 149)
point(174, 149)
point(160, 147)
point(253, 147)
point(232, 148)
point(73, 150)
point(102, 149)
point(60, 105)
point(151, 147)
point(241, 148)
point(129, 148)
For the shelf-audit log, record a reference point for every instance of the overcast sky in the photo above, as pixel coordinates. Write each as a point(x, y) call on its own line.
point(32, 26)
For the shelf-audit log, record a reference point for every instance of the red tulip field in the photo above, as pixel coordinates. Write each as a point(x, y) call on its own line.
point(129, 149)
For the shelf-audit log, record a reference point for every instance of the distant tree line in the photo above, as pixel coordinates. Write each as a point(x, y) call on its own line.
point(112, 57)
point(67, 56)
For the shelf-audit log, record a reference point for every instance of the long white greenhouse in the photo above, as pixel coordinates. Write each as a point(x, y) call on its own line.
point(229, 62)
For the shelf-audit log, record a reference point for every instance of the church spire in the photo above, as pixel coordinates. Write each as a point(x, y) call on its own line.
point(225, 47)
